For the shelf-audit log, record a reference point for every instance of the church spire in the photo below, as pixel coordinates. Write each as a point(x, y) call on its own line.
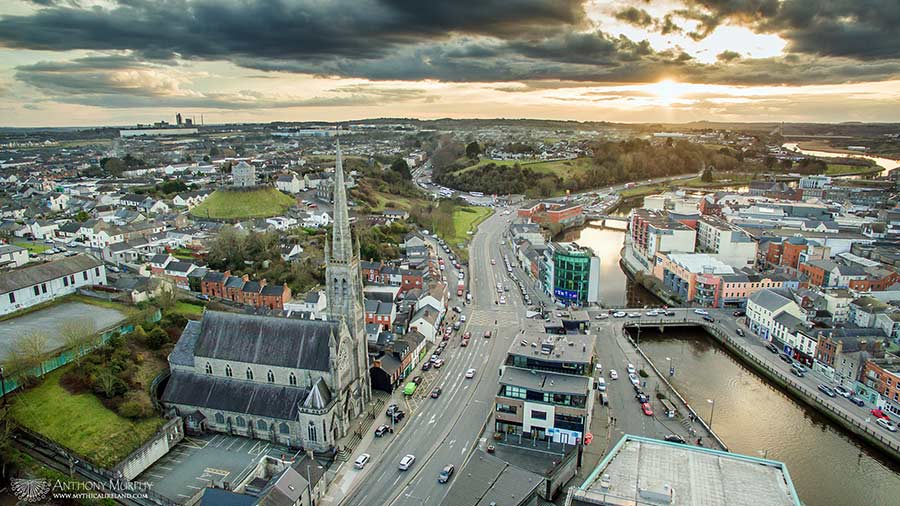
point(341, 243)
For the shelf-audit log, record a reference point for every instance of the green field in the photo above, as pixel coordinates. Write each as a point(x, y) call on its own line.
point(80, 422)
point(34, 249)
point(840, 169)
point(188, 309)
point(565, 169)
point(465, 219)
point(230, 205)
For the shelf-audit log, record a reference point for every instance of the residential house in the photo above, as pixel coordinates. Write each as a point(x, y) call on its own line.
point(290, 183)
point(30, 285)
point(12, 256)
point(765, 305)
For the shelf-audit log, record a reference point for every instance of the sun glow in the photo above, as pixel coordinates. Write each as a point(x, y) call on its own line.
point(667, 90)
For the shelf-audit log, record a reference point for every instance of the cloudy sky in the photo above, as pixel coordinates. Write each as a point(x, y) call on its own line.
point(96, 62)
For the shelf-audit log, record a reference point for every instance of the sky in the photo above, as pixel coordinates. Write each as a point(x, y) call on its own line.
point(120, 62)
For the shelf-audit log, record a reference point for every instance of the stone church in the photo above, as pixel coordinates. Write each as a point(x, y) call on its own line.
point(294, 382)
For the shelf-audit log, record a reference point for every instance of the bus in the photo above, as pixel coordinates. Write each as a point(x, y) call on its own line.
point(476, 194)
point(410, 388)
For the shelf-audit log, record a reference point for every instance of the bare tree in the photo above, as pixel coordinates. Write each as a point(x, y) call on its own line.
point(77, 335)
point(28, 354)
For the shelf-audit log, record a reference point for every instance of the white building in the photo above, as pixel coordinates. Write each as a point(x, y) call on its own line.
point(28, 286)
point(729, 243)
point(764, 306)
point(290, 183)
point(13, 256)
point(243, 175)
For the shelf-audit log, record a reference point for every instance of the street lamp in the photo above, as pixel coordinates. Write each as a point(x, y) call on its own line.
point(712, 410)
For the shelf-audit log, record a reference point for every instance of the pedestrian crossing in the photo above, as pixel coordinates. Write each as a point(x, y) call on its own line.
point(504, 318)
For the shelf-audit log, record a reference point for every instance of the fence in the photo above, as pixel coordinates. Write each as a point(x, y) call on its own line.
point(12, 383)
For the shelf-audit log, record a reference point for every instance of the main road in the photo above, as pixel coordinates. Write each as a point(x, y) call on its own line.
point(445, 430)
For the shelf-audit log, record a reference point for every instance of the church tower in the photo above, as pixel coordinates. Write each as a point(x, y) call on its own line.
point(343, 281)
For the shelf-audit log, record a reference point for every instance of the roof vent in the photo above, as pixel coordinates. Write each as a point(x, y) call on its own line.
point(605, 483)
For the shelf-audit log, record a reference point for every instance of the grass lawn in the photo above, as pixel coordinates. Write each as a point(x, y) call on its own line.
point(840, 169)
point(34, 249)
point(261, 203)
point(565, 169)
point(80, 422)
point(466, 218)
point(719, 181)
point(188, 309)
point(639, 191)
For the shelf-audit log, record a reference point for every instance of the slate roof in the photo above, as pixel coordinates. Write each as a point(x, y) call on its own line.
point(771, 300)
point(234, 282)
point(252, 287)
point(273, 290)
point(319, 396)
point(41, 273)
point(179, 266)
point(183, 352)
point(265, 340)
point(237, 396)
point(214, 277)
point(222, 497)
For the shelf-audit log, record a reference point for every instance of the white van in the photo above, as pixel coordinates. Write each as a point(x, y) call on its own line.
point(361, 461)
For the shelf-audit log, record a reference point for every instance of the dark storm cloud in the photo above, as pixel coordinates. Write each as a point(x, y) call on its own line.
point(635, 16)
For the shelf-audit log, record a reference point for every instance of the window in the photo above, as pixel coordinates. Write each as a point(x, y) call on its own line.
point(311, 430)
point(227, 370)
point(220, 418)
point(241, 422)
point(293, 380)
point(65, 281)
point(43, 287)
point(270, 376)
point(72, 279)
point(539, 415)
point(249, 373)
point(37, 290)
point(515, 392)
point(96, 271)
point(84, 275)
point(208, 368)
point(12, 298)
point(261, 425)
point(284, 429)
point(506, 408)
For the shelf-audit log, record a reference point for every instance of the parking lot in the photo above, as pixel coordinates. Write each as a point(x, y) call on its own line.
point(198, 462)
point(48, 322)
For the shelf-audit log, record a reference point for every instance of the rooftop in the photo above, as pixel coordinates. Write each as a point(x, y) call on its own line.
point(545, 381)
point(701, 263)
point(568, 348)
point(643, 471)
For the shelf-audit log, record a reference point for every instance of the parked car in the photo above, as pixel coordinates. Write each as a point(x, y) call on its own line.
point(438, 363)
point(630, 368)
point(417, 380)
point(739, 312)
point(613, 375)
point(825, 389)
point(887, 424)
point(856, 400)
point(392, 408)
point(601, 384)
point(797, 372)
point(634, 315)
point(877, 413)
point(601, 317)
point(382, 430)
point(446, 473)
point(740, 332)
point(426, 366)
point(675, 438)
point(634, 379)
point(362, 460)
point(398, 416)
point(645, 407)
point(843, 392)
point(786, 358)
point(407, 462)
point(771, 347)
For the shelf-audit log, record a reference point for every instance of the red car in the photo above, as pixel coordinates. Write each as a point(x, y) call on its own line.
point(880, 414)
point(645, 407)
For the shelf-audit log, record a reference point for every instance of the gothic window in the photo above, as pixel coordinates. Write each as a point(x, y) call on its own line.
point(344, 287)
point(261, 424)
point(249, 373)
point(227, 370)
point(284, 429)
point(312, 432)
point(208, 368)
point(220, 418)
point(293, 380)
point(241, 422)
point(271, 376)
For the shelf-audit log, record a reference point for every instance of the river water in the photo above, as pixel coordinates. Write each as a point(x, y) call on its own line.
point(885, 163)
point(828, 466)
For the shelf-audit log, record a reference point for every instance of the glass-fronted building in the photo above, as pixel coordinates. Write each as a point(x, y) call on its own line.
point(575, 277)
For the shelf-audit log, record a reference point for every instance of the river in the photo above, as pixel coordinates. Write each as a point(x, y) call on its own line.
point(828, 466)
point(886, 163)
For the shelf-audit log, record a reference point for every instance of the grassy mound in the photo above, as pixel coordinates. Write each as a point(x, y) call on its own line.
point(228, 205)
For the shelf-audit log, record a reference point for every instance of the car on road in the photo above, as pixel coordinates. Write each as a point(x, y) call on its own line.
point(613, 375)
point(843, 392)
point(202, 296)
point(438, 363)
point(708, 318)
point(601, 317)
point(797, 372)
point(619, 314)
point(856, 400)
point(630, 368)
point(645, 407)
point(493, 262)
point(470, 373)
point(446, 473)
point(436, 392)
point(825, 389)
point(675, 438)
point(382, 430)
point(702, 312)
point(457, 309)
point(362, 460)
point(398, 416)
point(462, 318)
point(652, 312)
point(634, 315)
point(418, 379)
point(669, 313)
point(786, 358)
point(877, 413)
point(407, 462)
point(487, 334)
point(426, 366)
point(771, 347)
point(740, 332)
point(601, 384)
point(503, 300)
point(392, 408)
point(634, 379)
point(739, 312)
point(887, 424)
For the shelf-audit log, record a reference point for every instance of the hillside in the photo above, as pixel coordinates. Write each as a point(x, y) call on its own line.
point(230, 205)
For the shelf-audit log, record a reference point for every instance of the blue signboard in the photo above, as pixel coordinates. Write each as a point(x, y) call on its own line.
point(565, 294)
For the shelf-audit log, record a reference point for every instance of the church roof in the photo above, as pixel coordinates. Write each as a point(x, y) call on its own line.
point(283, 342)
point(319, 396)
point(237, 396)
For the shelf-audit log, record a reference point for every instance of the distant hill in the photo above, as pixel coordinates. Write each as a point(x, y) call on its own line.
point(236, 205)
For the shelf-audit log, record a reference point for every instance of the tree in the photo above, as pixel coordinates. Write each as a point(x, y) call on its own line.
point(29, 352)
point(166, 297)
point(769, 161)
point(82, 217)
point(401, 167)
point(156, 338)
point(77, 334)
point(108, 384)
point(473, 150)
point(707, 175)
